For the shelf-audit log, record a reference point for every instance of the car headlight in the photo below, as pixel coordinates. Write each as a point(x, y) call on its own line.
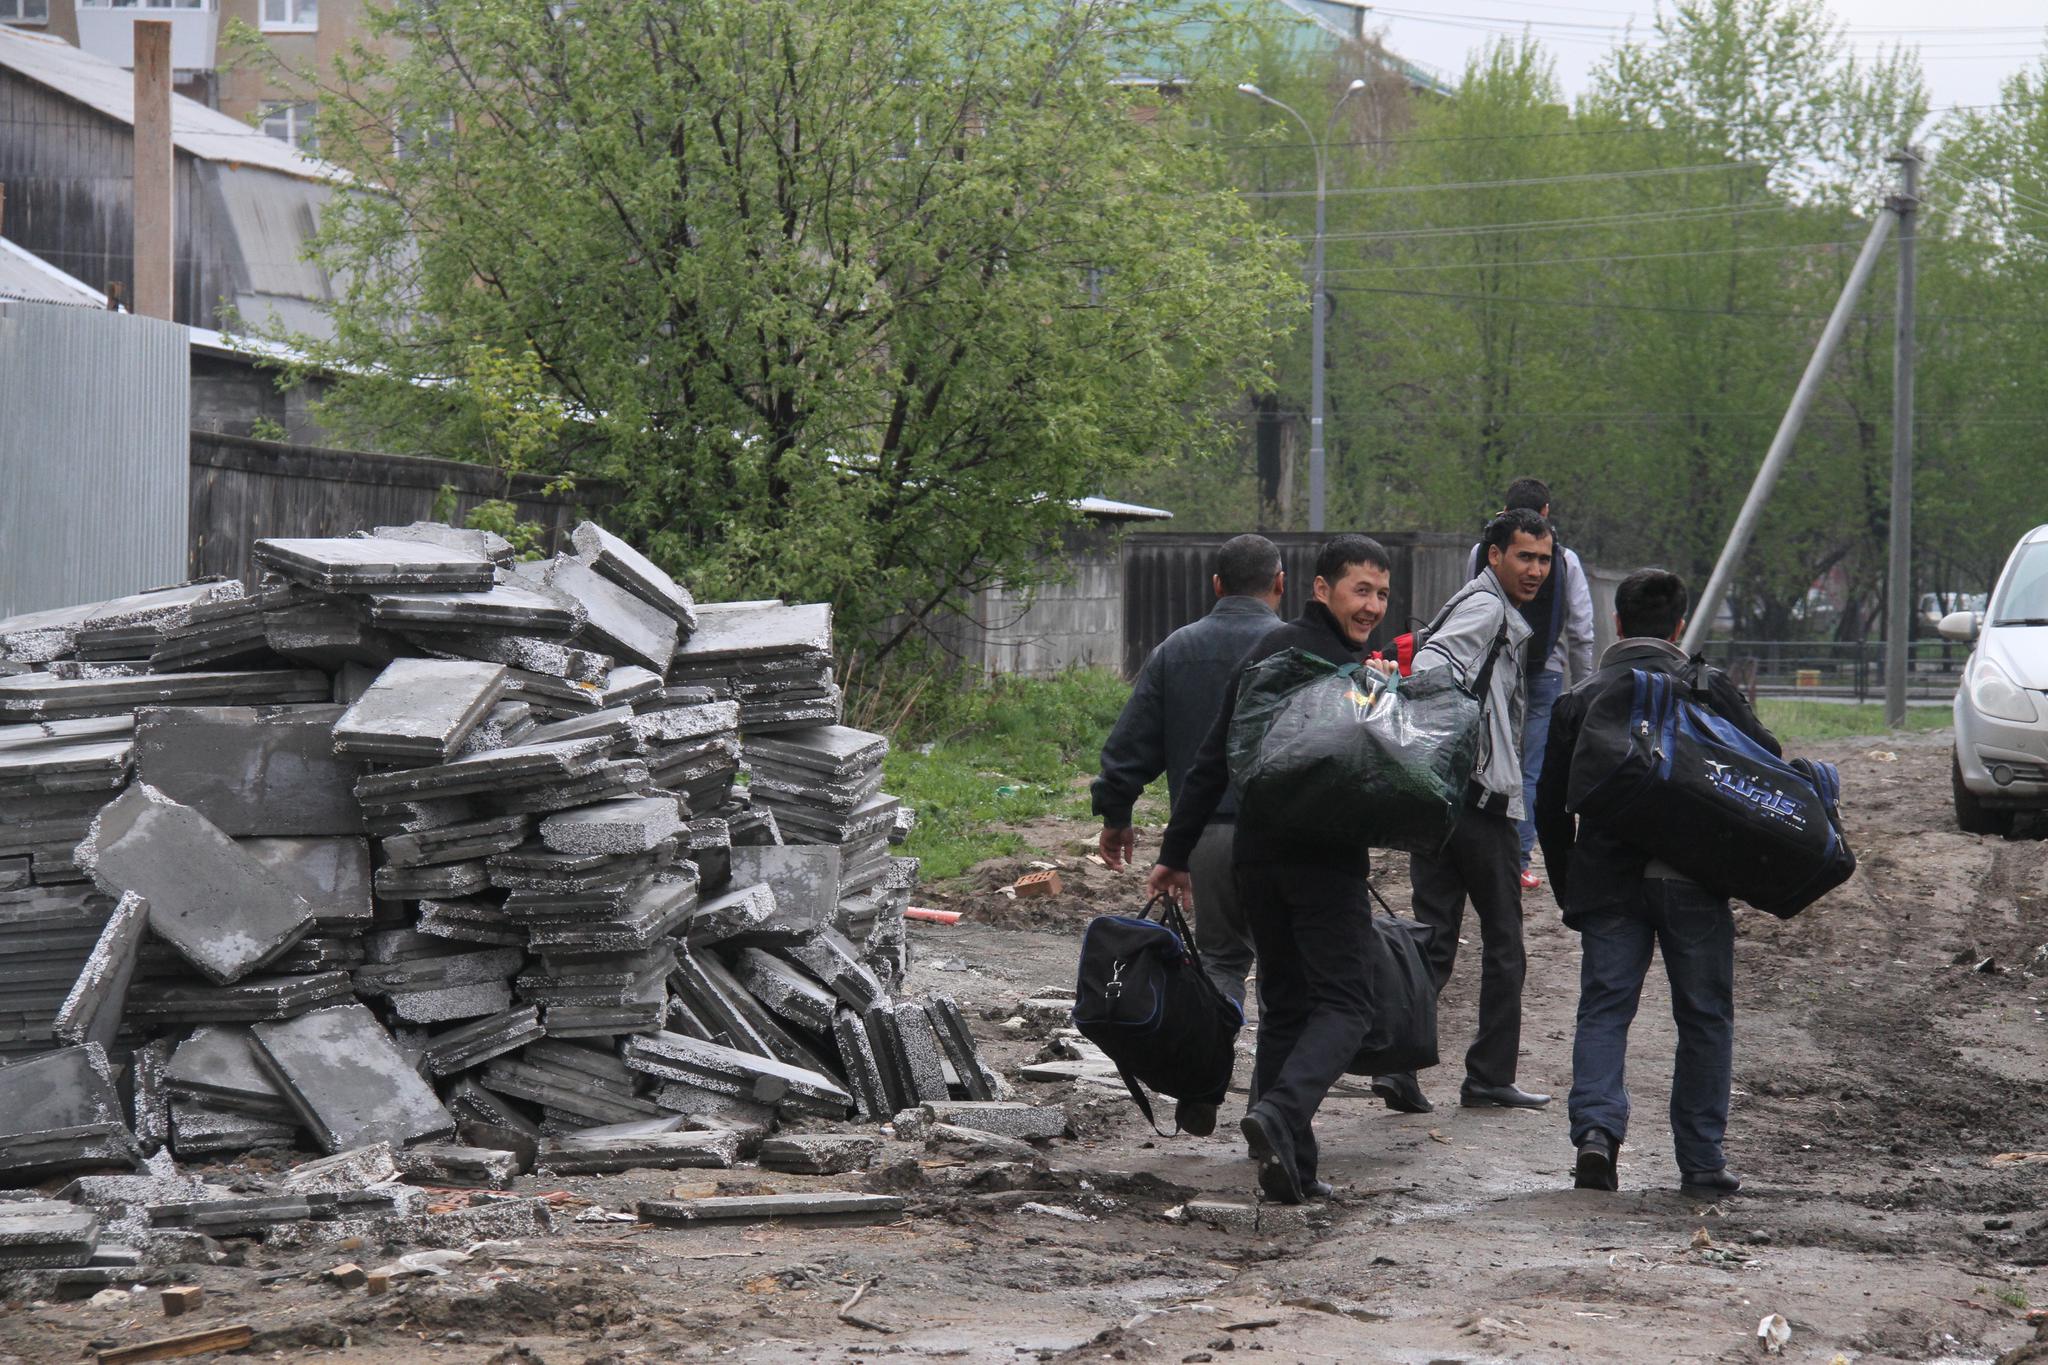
point(1996, 695)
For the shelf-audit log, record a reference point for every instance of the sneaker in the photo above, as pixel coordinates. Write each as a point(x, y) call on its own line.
point(1273, 1148)
point(1530, 881)
point(1195, 1118)
point(1594, 1169)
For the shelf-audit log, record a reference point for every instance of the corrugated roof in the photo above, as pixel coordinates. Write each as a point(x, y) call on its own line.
point(27, 276)
point(110, 89)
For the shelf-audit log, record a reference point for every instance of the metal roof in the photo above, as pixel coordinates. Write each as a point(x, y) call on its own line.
point(27, 276)
point(110, 89)
point(1108, 509)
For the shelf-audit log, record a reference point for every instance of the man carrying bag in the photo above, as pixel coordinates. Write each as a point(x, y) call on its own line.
point(1305, 899)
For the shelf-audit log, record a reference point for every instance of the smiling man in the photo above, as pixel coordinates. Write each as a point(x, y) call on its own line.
point(1305, 900)
point(1483, 858)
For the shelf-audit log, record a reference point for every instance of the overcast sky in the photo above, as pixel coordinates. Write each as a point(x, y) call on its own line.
point(1966, 46)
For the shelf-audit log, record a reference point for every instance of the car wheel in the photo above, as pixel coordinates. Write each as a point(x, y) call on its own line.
point(1972, 816)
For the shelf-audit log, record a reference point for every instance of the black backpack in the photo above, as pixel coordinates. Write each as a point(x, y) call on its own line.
point(1655, 766)
point(1141, 997)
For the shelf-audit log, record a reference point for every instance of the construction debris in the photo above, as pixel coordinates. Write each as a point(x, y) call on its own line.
point(437, 865)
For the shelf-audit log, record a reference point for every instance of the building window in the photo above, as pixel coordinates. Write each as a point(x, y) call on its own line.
point(291, 16)
point(423, 137)
point(291, 123)
point(24, 11)
point(134, 4)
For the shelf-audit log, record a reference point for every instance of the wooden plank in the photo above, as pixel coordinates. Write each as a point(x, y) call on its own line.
point(155, 216)
point(232, 1338)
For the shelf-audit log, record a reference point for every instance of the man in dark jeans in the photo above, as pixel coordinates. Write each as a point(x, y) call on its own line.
point(1622, 902)
point(1306, 900)
point(1172, 705)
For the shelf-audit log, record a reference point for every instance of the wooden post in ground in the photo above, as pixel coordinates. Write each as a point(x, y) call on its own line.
point(155, 163)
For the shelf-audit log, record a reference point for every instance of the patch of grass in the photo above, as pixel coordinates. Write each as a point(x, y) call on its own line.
point(973, 756)
point(1813, 720)
point(2013, 1298)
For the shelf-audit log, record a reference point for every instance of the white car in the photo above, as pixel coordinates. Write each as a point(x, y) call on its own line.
point(2001, 754)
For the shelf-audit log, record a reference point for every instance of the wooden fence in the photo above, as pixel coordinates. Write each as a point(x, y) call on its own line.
point(243, 490)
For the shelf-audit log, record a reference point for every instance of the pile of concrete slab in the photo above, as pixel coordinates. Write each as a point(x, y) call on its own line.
point(408, 842)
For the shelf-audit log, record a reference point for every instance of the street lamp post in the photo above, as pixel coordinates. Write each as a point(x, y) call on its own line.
point(1315, 421)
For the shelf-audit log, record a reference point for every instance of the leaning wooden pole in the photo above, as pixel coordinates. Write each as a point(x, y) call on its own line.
point(155, 290)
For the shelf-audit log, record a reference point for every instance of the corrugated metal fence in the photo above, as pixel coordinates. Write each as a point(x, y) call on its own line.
point(1166, 580)
point(242, 490)
point(93, 419)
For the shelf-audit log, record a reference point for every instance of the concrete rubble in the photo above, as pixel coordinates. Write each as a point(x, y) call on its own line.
point(414, 865)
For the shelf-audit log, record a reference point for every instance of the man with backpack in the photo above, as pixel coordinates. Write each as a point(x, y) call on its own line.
point(1480, 635)
point(1172, 704)
point(1561, 615)
point(1623, 902)
point(1305, 901)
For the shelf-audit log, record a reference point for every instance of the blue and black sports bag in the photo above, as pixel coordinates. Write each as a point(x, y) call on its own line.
point(1655, 766)
point(1141, 997)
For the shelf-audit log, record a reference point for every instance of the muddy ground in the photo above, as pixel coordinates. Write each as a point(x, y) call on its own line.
point(1891, 1051)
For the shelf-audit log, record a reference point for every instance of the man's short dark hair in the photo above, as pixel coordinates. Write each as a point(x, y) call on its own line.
point(1339, 553)
point(1500, 532)
point(1246, 564)
point(1533, 494)
point(1650, 602)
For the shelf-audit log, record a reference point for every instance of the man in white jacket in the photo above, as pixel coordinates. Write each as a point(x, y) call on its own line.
point(1481, 637)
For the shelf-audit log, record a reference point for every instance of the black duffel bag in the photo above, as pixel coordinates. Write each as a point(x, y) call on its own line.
point(1141, 997)
point(1403, 1032)
point(1657, 767)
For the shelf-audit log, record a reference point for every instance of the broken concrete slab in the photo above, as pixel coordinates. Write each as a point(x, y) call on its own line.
point(201, 1129)
point(956, 1039)
point(619, 562)
point(619, 623)
point(92, 1011)
point(805, 880)
point(751, 630)
point(741, 910)
point(463, 540)
point(174, 1000)
point(521, 608)
point(1025, 1122)
point(460, 842)
point(832, 959)
point(331, 874)
point(974, 1145)
point(458, 1049)
point(823, 1207)
point(46, 1233)
point(526, 654)
point(864, 1075)
point(518, 767)
point(436, 881)
point(213, 902)
point(594, 1151)
point(419, 710)
point(785, 990)
point(443, 1164)
point(924, 1063)
point(614, 828)
point(217, 1066)
point(29, 697)
point(764, 1080)
point(350, 1170)
point(369, 562)
point(819, 1153)
point(252, 770)
point(347, 1080)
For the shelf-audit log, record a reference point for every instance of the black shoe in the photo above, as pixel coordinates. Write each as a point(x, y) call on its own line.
point(1312, 1188)
point(1595, 1167)
point(1401, 1093)
point(1709, 1183)
point(1473, 1095)
point(1273, 1148)
point(1195, 1118)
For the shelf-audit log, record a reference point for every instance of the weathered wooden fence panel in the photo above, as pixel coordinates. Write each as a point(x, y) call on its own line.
point(1166, 580)
point(243, 490)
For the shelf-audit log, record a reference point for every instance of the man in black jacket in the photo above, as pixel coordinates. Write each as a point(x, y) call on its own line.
point(1306, 901)
point(1172, 705)
point(1623, 902)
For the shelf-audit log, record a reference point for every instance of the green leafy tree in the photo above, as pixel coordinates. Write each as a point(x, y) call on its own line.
point(849, 301)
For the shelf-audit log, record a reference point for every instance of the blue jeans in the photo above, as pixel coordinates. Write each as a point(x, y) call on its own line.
point(1543, 691)
point(1695, 930)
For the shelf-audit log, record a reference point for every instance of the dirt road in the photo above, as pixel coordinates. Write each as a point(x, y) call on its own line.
point(1891, 1049)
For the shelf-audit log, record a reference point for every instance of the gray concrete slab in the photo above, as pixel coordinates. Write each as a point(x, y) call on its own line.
point(1024, 1122)
point(201, 1129)
point(208, 898)
point(217, 1066)
point(525, 653)
point(29, 697)
point(594, 1151)
point(819, 1153)
point(348, 1081)
point(619, 623)
point(444, 1164)
point(481, 544)
point(458, 1049)
point(91, 1013)
point(619, 562)
point(822, 1207)
point(764, 1080)
point(614, 828)
point(511, 606)
point(354, 1169)
point(786, 991)
point(252, 770)
point(332, 875)
point(420, 710)
point(369, 562)
point(805, 880)
point(746, 630)
point(863, 1071)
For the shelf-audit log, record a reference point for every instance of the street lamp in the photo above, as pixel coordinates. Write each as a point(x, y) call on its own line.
point(1315, 421)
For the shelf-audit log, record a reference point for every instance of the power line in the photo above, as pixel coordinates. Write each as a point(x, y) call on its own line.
point(1527, 180)
point(1591, 260)
point(1602, 306)
point(1704, 214)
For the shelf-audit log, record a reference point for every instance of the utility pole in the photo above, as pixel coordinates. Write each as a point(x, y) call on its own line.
point(155, 165)
point(1788, 431)
point(1898, 626)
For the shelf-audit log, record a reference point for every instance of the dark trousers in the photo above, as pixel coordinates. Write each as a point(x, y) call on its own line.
point(1221, 939)
point(1695, 931)
point(1312, 926)
point(1482, 861)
